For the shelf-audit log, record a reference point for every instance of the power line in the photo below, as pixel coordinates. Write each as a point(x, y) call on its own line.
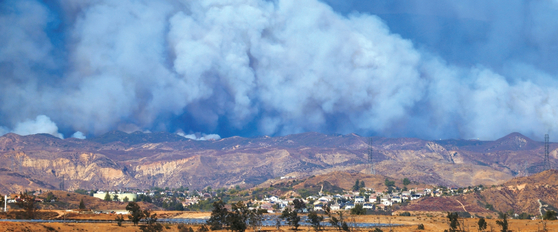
point(371, 157)
point(546, 161)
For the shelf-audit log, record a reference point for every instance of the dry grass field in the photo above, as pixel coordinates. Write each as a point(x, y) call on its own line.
point(407, 223)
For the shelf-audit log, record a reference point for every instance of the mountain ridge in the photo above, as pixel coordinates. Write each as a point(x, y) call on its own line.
point(142, 160)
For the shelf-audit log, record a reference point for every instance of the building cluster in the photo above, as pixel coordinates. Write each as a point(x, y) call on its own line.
point(186, 197)
point(369, 199)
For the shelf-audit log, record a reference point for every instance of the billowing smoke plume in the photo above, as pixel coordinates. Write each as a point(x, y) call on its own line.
point(78, 135)
point(199, 136)
point(255, 67)
point(42, 124)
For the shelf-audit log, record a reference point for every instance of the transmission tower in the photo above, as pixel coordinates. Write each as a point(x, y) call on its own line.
point(546, 161)
point(62, 184)
point(370, 157)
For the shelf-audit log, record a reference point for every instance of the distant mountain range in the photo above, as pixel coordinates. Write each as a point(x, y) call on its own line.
point(140, 160)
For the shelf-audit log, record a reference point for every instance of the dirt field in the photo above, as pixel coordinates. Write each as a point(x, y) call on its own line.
point(410, 223)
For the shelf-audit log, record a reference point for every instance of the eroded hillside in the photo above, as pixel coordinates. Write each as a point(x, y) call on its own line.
point(141, 160)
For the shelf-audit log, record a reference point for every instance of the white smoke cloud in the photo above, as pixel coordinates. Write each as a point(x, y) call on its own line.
point(42, 124)
point(276, 67)
point(78, 135)
point(199, 136)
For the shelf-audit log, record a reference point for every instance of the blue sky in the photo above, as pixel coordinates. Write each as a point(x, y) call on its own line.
point(427, 69)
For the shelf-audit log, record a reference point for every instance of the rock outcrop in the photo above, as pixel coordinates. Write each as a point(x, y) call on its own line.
point(140, 160)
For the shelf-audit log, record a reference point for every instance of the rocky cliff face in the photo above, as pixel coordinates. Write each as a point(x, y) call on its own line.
point(138, 160)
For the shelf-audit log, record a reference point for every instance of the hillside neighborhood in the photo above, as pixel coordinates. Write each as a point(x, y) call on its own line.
point(192, 200)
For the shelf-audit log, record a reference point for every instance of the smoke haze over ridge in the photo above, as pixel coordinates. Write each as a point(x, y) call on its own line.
point(249, 67)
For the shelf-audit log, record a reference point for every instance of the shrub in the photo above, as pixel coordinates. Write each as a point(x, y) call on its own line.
point(405, 214)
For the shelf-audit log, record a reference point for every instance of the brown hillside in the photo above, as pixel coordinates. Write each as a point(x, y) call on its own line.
point(346, 180)
point(522, 194)
point(444, 204)
point(142, 160)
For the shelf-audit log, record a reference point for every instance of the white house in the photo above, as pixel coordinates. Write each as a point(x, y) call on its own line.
point(359, 200)
point(335, 207)
point(273, 199)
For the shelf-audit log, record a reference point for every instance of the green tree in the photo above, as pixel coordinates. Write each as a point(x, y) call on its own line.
point(549, 215)
point(115, 197)
point(333, 220)
point(291, 217)
point(454, 222)
point(183, 228)
point(337, 221)
point(299, 205)
point(237, 218)
point(218, 219)
point(389, 183)
point(420, 227)
point(405, 214)
point(81, 191)
point(135, 212)
point(406, 181)
point(345, 226)
point(119, 219)
point(81, 204)
point(256, 219)
point(202, 228)
point(126, 199)
point(356, 186)
point(107, 197)
point(362, 185)
point(50, 197)
point(27, 203)
point(524, 216)
point(482, 224)
point(358, 210)
point(151, 222)
point(315, 220)
point(503, 223)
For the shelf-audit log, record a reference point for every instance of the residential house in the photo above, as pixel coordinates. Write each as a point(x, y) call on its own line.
point(359, 200)
point(335, 207)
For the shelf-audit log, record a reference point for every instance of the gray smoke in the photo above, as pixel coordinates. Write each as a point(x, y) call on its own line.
point(252, 67)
